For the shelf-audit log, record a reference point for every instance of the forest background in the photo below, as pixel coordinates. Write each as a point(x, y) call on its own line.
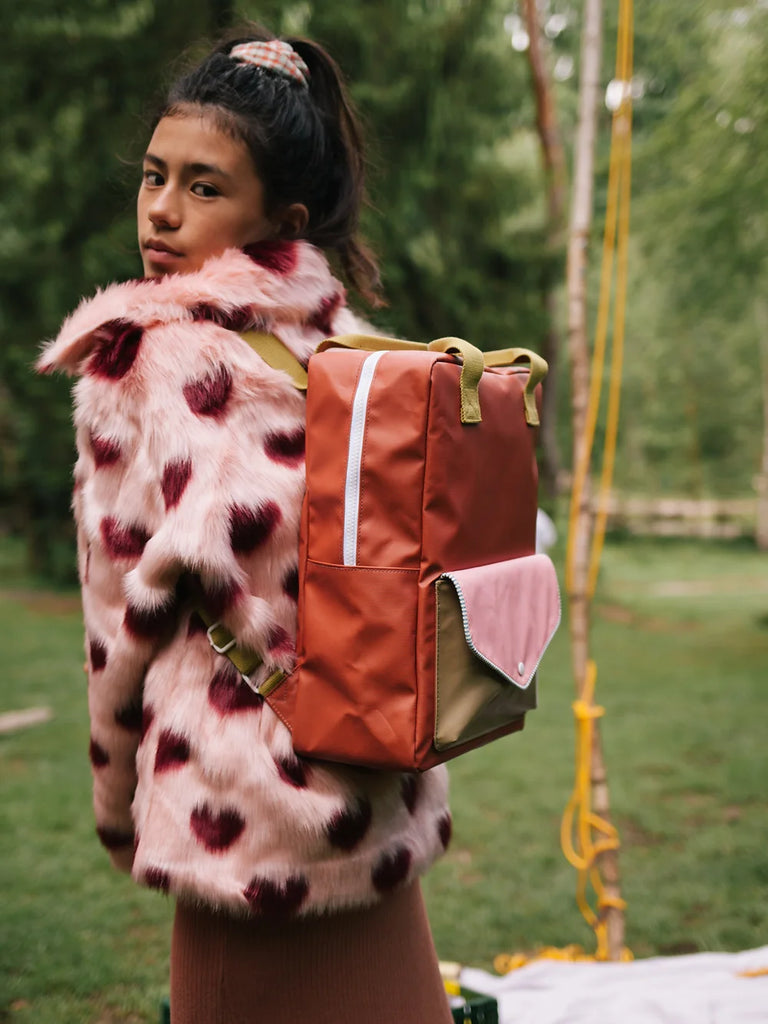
point(458, 207)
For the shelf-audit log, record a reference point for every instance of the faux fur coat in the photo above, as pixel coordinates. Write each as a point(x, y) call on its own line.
point(188, 484)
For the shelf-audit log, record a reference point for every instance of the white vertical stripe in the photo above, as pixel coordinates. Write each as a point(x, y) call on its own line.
point(355, 456)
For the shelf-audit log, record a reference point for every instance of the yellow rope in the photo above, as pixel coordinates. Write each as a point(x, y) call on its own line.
point(585, 835)
point(621, 142)
point(506, 962)
point(580, 825)
point(619, 182)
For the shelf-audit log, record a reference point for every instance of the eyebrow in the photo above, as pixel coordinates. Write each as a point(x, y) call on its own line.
point(191, 168)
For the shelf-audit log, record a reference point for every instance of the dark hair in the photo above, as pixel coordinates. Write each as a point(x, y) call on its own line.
point(306, 143)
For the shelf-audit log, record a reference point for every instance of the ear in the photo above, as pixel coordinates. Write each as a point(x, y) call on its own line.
point(292, 221)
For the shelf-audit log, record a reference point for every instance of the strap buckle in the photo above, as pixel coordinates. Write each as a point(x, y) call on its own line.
point(220, 648)
point(247, 680)
point(242, 660)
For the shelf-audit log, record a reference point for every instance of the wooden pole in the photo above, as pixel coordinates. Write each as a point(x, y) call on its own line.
point(578, 346)
point(555, 174)
point(581, 214)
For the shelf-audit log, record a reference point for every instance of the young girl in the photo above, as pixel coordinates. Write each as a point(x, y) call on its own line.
point(296, 882)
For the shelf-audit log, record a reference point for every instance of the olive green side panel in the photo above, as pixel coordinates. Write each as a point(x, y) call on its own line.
point(471, 698)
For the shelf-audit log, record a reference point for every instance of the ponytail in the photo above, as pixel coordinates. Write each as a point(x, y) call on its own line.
point(327, 89)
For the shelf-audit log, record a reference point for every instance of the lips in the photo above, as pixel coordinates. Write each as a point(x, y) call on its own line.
point(154, 245)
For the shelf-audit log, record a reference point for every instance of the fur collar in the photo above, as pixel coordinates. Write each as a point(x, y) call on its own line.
point(269, 285)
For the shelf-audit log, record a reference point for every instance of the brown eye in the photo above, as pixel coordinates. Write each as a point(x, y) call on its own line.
point(202, 188)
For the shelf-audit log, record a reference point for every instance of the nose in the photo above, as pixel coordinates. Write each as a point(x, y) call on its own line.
point(164, 209)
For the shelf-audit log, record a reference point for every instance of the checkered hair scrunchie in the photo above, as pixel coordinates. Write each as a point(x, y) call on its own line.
point(274, 55)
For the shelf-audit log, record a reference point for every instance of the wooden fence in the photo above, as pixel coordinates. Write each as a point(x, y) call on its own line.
point(683, 517)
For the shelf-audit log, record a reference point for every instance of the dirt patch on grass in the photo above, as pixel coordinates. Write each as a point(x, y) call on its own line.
point(633, 833)
point(658, 770)
point(112, 1014)
point(467, 873)
point(696, 914)
point(679, 948)
point(651, 623)
point(693, 810)
point(706, 588)
point(118, 1017)
point(44, 602)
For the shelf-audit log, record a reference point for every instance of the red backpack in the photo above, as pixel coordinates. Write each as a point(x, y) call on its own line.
point(424, 610)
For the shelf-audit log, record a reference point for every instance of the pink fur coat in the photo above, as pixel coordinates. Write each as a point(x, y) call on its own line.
point(189, 480)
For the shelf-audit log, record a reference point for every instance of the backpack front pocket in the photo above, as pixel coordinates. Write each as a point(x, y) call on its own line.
point(356, 693)
point(494, 623)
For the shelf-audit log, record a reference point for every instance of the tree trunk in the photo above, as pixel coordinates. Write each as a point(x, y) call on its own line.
point(547, 126)
point(581, 216)
point(553, 158)
point(761, 521)
point(222, 13)
point(579, 601)
point(551, 462)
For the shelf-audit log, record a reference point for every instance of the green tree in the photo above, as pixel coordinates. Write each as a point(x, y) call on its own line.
point(702, 224)
point(458, 215)
point(452, 187)
point(75, 88)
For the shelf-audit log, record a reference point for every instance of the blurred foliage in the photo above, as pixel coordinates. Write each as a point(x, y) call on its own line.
point(75, 81)
point(457, 213)
point(693, 418)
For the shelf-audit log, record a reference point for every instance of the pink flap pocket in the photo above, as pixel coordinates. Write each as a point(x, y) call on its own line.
point(510, 612)
point(493, 625)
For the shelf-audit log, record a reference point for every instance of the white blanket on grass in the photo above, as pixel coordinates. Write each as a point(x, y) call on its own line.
point(703, 988)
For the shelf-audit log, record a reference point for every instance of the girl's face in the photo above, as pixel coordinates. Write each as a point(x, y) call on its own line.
point(199, 195)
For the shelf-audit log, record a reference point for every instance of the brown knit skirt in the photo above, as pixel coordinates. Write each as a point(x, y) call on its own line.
point(371, 966)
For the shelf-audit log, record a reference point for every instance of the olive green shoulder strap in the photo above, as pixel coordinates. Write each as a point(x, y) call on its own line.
point(275, 354)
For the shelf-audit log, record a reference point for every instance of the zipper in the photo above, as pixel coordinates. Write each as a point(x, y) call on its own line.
point(355, 458)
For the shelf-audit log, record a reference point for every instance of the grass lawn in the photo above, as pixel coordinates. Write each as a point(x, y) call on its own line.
point(681, 642)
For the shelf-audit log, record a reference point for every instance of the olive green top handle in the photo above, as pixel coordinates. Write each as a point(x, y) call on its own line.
point(473, 363)
point(472, 367)
point(538, 371)
point(471, 360)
